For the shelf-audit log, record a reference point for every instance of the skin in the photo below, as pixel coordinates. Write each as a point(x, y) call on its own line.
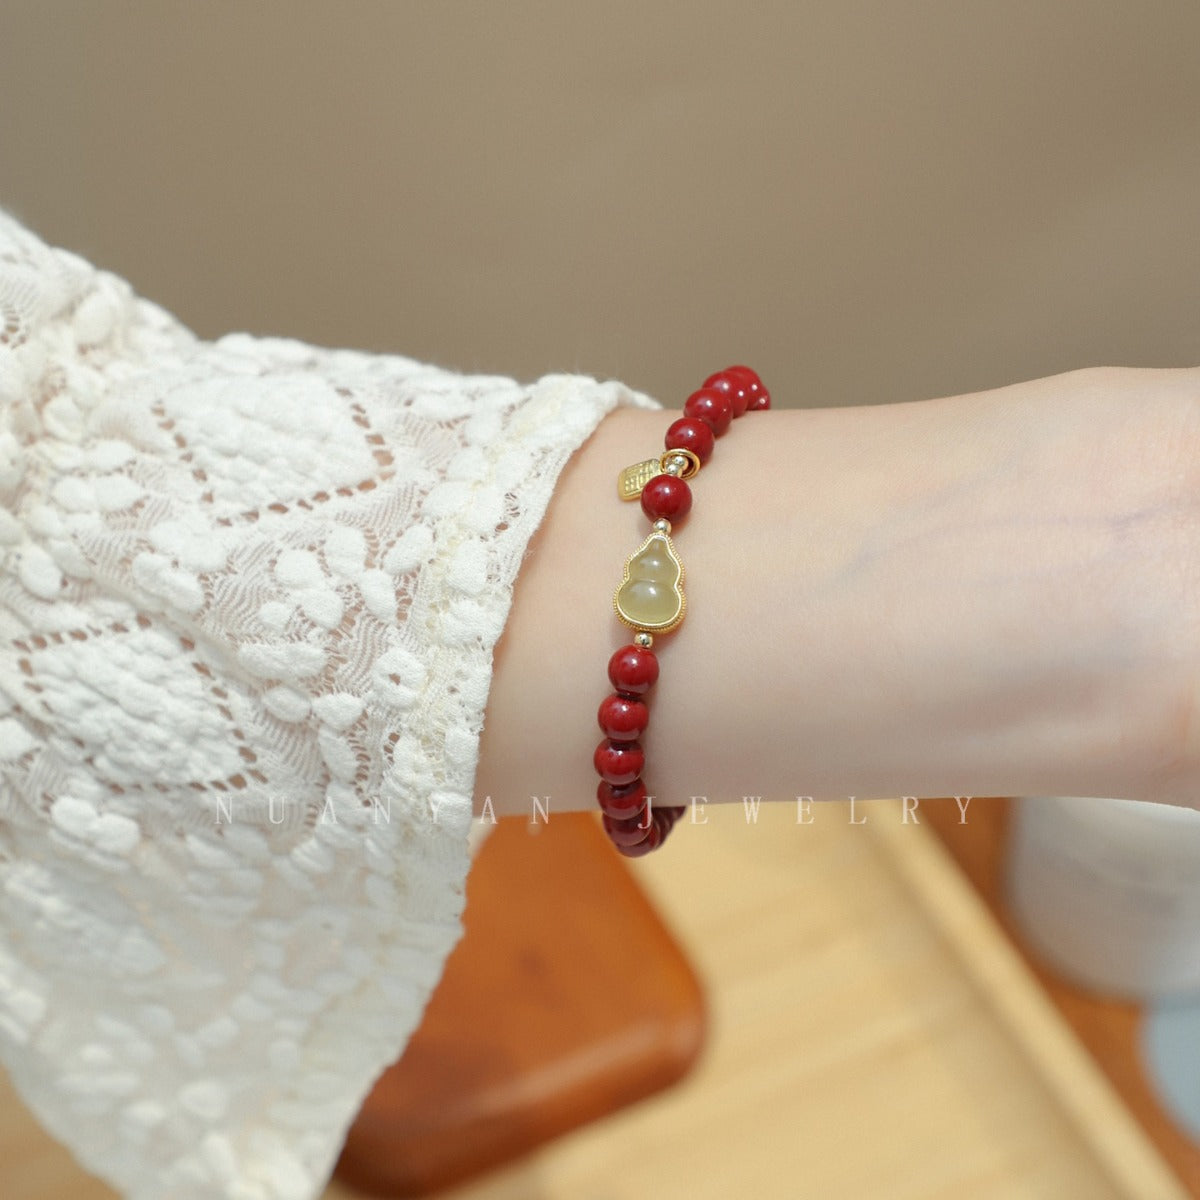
point(989, 594)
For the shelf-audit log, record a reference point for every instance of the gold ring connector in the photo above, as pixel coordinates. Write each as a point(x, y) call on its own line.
point(693, 462)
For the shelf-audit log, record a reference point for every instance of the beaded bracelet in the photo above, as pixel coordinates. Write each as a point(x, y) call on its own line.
point(650, 600)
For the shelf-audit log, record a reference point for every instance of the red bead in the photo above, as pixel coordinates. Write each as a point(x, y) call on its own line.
point(622, 802)
point(618, 762)
point(734, 386)
point(760, 398)
point(664, 821)
point(666, 496)
point(748, 374)
point(690, 433)
point(651, 841)
point(714, 408)
point(633, 670)
point(742, 369)
point(622, 718)
point(668, 815)
point(744, 388)
point(629, 832)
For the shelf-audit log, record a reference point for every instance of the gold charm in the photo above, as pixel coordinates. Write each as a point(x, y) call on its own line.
point(631, 480)
point(650, 596)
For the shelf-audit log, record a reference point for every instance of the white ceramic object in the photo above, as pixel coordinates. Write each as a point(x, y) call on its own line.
point(1108, 892)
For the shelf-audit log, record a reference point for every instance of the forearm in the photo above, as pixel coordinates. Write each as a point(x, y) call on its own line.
point(935, 598)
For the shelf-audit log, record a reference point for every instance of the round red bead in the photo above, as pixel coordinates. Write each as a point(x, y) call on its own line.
point(714, 408)
point(690, 433)
point(651, 841)
point(622, 718)
point(669, 814)
point(734, 386)
point(759, 396)
point(666, 496)
point(618, 762)
point(623, 801)
point(629, 832)
point(751, 377)
point(744, 388)
point(633, 670)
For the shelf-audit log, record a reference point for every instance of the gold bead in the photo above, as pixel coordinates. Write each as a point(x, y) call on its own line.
point(645, 640)
point(662, 525)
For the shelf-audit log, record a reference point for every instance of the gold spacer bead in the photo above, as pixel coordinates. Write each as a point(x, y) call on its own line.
point(662, 525)
point(645, 640)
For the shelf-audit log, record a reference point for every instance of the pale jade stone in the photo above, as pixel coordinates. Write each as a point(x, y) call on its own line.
point(651, 596)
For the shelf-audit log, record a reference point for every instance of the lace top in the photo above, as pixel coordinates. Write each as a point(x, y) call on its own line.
point(249, 593)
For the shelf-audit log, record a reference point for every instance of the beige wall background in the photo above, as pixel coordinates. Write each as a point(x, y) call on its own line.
point(870, 201)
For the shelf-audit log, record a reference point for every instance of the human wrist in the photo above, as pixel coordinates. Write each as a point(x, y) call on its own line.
point(984, 594)
point(895, 599)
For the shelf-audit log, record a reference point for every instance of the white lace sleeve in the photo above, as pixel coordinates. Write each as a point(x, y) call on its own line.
point(249, 593)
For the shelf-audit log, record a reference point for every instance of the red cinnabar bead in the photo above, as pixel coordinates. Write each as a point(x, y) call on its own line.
point(741, 369)
point(744, 388)
point(736, 387)
point(652, 841)
point(629, 833)
point(666, 496)
point(633, 670)
point(690, 433)
point(622, 802)
point(714, 408)
point(622, 718)
point(668, 815)
point(760, 398)
point(663, 820)
point(618, 762)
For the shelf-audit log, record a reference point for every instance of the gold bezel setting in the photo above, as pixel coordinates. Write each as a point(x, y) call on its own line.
point(681, 611)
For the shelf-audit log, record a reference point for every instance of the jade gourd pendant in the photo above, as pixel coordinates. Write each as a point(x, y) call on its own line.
point(650, 596)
